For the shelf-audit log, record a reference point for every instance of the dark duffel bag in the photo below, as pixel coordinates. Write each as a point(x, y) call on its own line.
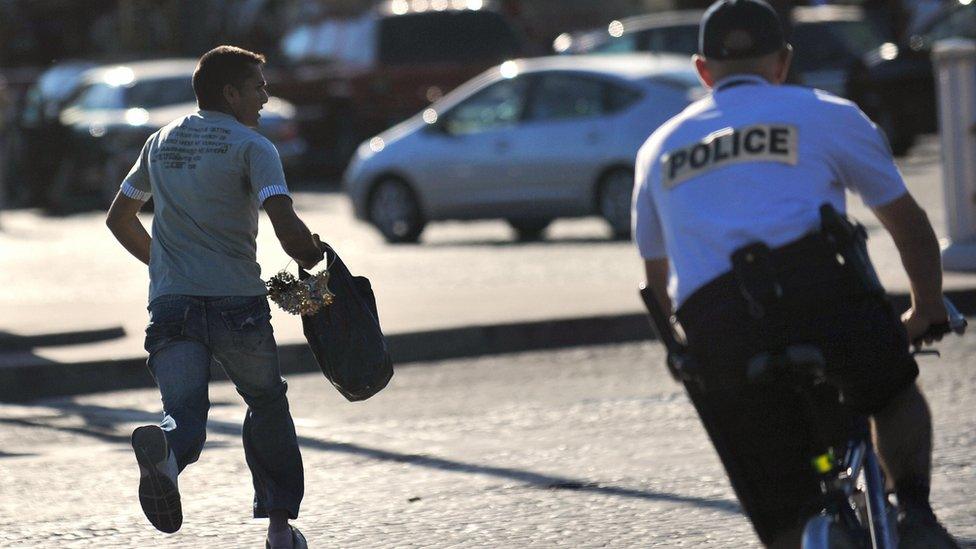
point(345, 336)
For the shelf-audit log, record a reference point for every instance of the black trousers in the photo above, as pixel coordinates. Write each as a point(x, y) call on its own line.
point(763, 433)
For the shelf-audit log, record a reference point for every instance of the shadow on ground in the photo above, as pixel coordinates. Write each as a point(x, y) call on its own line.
point(106, 425)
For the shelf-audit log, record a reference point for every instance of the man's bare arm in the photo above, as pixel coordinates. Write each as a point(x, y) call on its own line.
point(657, 280)
point(918, 247)
point(123, 221)
point(295, 238)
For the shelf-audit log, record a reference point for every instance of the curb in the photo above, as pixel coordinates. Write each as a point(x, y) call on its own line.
point(25, 343)
point(49, 379)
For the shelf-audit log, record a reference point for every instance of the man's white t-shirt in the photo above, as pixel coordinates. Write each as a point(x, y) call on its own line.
point(751, 162)
point(207, 174)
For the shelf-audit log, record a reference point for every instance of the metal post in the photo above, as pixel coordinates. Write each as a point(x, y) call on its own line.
point(955, 68)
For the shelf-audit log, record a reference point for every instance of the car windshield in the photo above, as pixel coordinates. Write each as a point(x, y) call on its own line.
point(334, 39)
point(860, 37)
point(160, 92)
point(687, 80)
point(960, 23)
point(446, 37)
point(609, 44)
point(296, 44)
point(822, 42)
point(497, 106)
point(145, 94)
point(98, 97)
point(682, 39)
point(832, 44)
point(60, 81)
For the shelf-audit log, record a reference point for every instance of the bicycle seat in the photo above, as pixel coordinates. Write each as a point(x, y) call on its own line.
point(803, 361)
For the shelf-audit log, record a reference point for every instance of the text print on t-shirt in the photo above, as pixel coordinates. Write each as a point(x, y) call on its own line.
point(758, 143)
point(184, 147)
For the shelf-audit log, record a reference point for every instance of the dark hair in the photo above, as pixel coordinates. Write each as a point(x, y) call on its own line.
point(221, 66)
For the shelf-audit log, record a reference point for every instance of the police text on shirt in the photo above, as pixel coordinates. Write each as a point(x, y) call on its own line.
point(757, 143)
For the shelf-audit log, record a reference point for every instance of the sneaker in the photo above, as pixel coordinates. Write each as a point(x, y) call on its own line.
point(919, 529)
point(158, 491)
point(298, 540)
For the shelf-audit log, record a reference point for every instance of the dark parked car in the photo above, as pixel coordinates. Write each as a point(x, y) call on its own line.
point(353, 78)
point(117, 107)
point(828, 41)
point(836, 48)
point(899, 77)
point(36, 132)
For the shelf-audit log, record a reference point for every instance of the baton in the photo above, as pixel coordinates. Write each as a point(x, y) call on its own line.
point(661, 326)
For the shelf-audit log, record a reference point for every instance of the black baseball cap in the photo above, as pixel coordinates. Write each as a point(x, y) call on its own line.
point(738, 29)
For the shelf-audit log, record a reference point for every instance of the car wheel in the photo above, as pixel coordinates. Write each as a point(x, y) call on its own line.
point(395, 211)
point(613, 201)
point(527, 230)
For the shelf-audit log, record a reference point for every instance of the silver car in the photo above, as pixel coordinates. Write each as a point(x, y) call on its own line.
point(527, 141)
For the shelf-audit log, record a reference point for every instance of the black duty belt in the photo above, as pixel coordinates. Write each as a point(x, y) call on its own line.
point(802, 265)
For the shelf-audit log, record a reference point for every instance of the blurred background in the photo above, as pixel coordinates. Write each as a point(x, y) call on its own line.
point(474, 159)
point(93, 78)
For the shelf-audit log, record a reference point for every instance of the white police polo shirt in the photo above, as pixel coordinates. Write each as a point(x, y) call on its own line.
point(751, 162)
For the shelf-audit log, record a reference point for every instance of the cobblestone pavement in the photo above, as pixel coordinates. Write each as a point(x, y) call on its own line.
point(589, 447)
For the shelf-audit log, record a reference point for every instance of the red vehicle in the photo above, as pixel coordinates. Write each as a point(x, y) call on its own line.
point(352, 78)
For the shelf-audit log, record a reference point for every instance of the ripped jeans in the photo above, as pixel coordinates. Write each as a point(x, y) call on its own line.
point(186, 333)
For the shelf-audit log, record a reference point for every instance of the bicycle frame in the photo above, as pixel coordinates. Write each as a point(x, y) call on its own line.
point(840, 488)
point(883, 533)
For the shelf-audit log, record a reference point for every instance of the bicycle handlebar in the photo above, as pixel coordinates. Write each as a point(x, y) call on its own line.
point(954, 323)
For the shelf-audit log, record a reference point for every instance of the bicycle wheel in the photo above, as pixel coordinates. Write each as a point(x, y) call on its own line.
point(822, 532)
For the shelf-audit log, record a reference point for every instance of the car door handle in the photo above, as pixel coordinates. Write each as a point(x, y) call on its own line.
point(593, 137)
point(502, 146)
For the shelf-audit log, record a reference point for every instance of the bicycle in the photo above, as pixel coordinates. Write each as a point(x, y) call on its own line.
point(856, 512)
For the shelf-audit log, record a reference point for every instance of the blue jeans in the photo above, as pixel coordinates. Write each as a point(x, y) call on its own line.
point(184, 335)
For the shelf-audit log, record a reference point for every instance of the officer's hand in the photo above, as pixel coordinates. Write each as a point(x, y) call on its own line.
point(918, 319)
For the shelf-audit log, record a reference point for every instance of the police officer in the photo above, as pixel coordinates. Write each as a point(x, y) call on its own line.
point(753, 163)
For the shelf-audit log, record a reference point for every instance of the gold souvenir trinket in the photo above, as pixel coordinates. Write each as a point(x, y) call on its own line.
point(300, 297)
